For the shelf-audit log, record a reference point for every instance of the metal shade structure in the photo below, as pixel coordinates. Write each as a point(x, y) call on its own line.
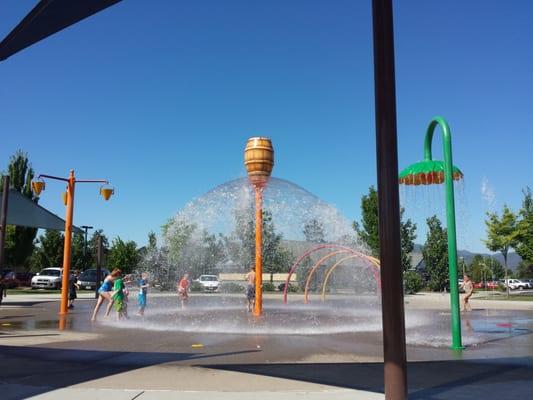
point(24, 212)
point(45, 19)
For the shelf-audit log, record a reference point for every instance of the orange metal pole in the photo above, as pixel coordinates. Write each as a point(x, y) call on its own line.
point(67, 248)
point(258, 307)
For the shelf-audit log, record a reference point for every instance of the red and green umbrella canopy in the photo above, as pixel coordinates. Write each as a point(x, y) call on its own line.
point(427, 172)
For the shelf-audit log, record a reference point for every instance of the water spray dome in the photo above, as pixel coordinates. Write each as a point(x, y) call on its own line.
point(427, 172)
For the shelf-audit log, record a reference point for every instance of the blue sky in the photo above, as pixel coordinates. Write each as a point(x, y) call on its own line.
point(161, 99)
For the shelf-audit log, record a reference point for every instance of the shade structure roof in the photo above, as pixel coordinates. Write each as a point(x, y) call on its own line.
point(47, 18)
point(22, 211)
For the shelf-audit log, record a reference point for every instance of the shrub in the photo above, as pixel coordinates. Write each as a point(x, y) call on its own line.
point(412, 282)
point(231, 287)
point(196, 287)
point(292, 288)
point(269, 287)
point(11, 283)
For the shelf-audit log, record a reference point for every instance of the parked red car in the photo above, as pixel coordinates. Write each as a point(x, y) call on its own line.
point(492, 285)
point(479, 285)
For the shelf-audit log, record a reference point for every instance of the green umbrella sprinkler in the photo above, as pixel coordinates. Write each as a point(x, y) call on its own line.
point(430, 172)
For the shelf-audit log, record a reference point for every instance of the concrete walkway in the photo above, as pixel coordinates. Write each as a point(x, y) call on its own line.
point(106, 394)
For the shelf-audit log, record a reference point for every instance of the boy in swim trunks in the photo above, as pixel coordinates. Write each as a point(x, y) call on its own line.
point(250, 288)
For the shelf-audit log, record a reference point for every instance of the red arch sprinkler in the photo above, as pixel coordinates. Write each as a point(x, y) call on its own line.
point(373, 261)
point(340, 248)
point(354, 254)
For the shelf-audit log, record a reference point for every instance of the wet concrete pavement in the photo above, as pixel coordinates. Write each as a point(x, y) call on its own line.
point(110, 356)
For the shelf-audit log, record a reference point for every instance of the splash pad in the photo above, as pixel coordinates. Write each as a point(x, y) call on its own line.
point(352, 276)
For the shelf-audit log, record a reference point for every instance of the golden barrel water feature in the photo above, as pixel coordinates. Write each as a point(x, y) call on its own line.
point(259, 161)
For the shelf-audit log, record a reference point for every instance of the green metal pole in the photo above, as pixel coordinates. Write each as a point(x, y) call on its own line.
point(450, 221)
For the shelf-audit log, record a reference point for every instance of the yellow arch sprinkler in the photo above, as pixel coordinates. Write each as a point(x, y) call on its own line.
point(374, 262)
point(259, 161)
point(429, 172)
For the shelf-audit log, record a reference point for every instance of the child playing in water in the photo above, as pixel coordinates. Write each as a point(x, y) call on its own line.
point(468, 286)
point(250, 288)
point(105, 292)
point(143, 290)
point(73, 286)
point(120, 297)
point(183, 287)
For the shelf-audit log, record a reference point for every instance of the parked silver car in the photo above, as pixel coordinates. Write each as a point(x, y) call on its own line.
point(48, 278)
point(209, 283)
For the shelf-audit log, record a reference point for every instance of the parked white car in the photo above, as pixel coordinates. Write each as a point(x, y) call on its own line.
point(48, 278)
point(514, 284)
point(209, 283)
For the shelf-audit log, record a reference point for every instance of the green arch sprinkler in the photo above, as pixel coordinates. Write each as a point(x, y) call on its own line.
point(430, 172)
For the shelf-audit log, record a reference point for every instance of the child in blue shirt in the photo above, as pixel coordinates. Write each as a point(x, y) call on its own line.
point(143, 290)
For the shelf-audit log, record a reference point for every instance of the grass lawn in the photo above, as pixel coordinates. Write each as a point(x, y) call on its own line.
point(40, 291)
point(30, 291)
point(502, 296)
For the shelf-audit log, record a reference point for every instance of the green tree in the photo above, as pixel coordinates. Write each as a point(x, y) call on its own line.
point(244, 234)
point(214, 252)
point(202, 254)
point(177, 234)
point(48, 252)
point(435, 254)
point(123, 255)
point(92, 247)
point(276, 258)
point(525, 270)
point(486, 267)
point(368, 230)
point(19, 239)
point(524, 237)
point(314, 231)
point(152, 240)
point(80, 260)
point(502, 234)
point(407, 236)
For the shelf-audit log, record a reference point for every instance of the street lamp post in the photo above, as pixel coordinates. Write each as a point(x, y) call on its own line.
point(38, 186)
point(85, 229)
point(428, 172)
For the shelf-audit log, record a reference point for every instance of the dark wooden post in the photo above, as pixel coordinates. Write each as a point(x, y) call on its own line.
point(3, 224)
point(389, 203)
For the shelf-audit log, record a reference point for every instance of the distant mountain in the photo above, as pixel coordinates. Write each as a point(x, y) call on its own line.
point(513, 259)
point(298, 247)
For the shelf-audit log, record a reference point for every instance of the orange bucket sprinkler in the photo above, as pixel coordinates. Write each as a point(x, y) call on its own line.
point(38, 185)
point(107, 191)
